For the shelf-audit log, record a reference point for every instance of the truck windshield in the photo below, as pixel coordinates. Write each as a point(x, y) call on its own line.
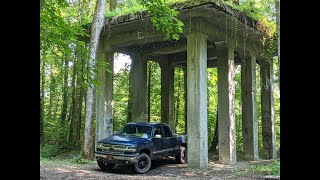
point(135, 130)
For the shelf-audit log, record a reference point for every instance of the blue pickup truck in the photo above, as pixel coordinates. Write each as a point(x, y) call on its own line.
point(139, 143)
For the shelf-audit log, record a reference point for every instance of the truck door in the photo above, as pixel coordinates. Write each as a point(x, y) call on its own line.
point(158, 142)
point(169, 141)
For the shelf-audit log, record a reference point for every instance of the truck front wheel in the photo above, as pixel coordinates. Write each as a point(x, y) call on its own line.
point(105, 166)
point(144, 163)
point(182, 156)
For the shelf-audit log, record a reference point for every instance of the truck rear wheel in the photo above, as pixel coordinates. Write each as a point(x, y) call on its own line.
point(144, 163)
point(182, 156)
point(105, 166)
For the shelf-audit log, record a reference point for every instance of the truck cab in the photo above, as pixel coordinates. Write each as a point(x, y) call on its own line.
point(139, 143)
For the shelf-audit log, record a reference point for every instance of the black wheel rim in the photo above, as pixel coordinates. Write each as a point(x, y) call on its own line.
point(143, 163)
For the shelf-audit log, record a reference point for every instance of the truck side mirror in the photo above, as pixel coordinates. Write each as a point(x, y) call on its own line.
point(157, 136)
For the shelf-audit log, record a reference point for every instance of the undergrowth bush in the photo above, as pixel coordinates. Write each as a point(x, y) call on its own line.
point(49, 151)
point(269, 169)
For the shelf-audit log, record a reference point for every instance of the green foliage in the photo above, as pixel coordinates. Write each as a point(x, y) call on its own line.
point(238, 107)
point(126, 8)
point(155, 96)
point(269, 169)
point(120, 94)
point(212, 84)
point(49, 151)
point(179, 98)
point(163, 18)
point(78, 159)
point(161, 15)
point(260, 10)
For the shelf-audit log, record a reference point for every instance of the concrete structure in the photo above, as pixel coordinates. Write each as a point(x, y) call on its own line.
point(249, 111)
point(212, 37)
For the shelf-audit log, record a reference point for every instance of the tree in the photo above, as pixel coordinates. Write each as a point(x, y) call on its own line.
point(42, 103)
point(277, 4)
point(149, 89)
point(215, 139)
point(97, 24)
point(113, 4)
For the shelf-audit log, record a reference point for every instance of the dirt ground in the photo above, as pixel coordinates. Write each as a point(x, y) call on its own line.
point(164, 169)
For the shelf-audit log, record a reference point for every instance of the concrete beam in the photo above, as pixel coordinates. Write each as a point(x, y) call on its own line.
point(139, 88)
point(267, 108)
point(197, 100)
point(167, 94)
point(104, 94)
point(226, 107)
point(249, 108)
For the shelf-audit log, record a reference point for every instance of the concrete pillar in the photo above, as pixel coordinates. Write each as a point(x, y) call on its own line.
point(167, 94)
point(226, 107)
point(267, 108)
point(197, 100)
point(104, 94)
point(139, 88)
point(249, 108)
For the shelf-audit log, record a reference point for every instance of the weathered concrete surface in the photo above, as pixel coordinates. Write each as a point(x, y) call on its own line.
point(222, 24)
point(139, 88)
point(197, 100)
point(167, 94)
point(104, 94)
point(226, 107)
point(249, 108)
point(267, 108)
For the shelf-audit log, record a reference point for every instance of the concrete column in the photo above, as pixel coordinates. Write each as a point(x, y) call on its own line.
point(139, 89)
point(197, 100)
point(104, 94)
point(267, 108)
point(226, 107)
point(167, 94)
point(249, 108)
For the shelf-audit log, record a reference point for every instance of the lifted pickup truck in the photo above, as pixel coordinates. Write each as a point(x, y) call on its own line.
point(139, 143)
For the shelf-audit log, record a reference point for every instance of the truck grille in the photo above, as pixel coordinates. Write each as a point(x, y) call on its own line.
point(114, 149)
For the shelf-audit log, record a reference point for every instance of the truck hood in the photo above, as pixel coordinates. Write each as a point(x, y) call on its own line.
point(124, 140)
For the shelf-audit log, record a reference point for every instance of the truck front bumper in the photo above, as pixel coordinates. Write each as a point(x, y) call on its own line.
point(116, 159)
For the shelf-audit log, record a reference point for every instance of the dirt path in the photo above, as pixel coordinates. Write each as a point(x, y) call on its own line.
point(166, 169)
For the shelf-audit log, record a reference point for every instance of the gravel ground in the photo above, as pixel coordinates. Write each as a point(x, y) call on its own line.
point(165, 169)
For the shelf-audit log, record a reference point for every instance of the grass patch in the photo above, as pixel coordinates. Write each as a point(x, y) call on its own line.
point(48, 151)
point(62, 155)
point(268, 169)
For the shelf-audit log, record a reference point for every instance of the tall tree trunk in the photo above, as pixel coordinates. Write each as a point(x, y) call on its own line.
point(129, 110)
point(51, 89)
point(178, 99)
point(88, 7)
point(236, 2)
point(149, 89)
point(277, 3)
point(80, 101)
point(97, 24)
point(73, 103)
point(215, 139)
point(185, 100)
point(42, 116)
point(64, 109)
point(113, 4)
